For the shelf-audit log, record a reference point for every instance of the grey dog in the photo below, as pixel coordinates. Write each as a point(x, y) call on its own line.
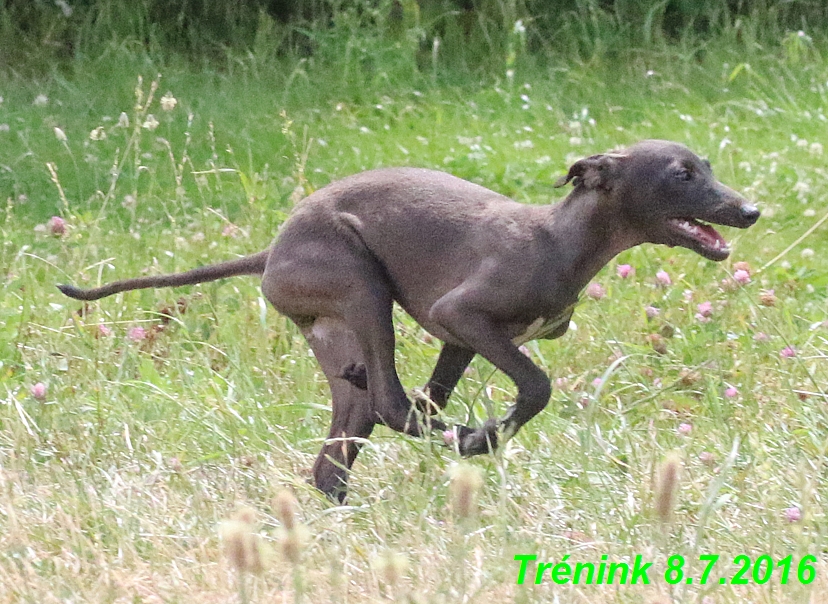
point(477, 270)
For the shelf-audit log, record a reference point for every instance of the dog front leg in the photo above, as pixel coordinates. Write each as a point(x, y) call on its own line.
point(481, 334)
point(450, 366)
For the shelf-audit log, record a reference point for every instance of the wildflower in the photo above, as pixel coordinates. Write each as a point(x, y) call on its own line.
point(707, 458)
point(742, 266)
point(595, 291)
point(597, 382)
point(667, 487)
point(761, 337)
point(815, 149)
point(39, 391)
point(689, 376)
point(168, 102)
point(242, 546)
point(561, 383)
point(625, 270)
point(129, 201)
point(104, 331)
point(658, 343)
point(742, 277)
point(136, 334)
point(731, 392)
point(664, 278)
point(60, 134)
point(231, 230)
point(793, 514)
point(807, 253)
point(56, 226)
point(705, 309)
point(466, 481)
point(40, 100)
point(150, 123)
point(652, 312)
point(767, 297)
point(123, 120)
point(787, 352)
point(684, 429)
point(98, 134)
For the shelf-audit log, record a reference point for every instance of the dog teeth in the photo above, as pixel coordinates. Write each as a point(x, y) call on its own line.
point(688, 227)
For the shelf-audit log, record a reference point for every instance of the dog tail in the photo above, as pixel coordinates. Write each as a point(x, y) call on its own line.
point(249, 265)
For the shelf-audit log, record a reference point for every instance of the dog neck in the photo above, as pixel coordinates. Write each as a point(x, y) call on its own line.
point(589, 232)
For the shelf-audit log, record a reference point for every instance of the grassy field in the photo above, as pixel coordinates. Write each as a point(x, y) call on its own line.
point(132, 427)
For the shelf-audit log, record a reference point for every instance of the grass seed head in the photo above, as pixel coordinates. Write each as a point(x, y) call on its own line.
point(391, 567)
point(466, 481)
point(669, 473)
point(285, 508)
point(242, 546)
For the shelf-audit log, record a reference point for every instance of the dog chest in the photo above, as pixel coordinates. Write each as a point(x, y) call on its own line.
point(546, 328)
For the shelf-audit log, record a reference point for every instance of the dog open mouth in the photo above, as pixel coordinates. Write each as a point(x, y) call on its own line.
point(699, 237)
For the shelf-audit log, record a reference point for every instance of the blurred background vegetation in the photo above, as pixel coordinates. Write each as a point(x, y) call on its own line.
point(35, 34)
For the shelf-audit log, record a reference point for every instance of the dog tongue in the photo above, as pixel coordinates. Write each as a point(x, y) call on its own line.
point(710, 236)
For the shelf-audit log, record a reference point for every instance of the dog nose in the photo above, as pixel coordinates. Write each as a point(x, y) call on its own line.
point(750, 213)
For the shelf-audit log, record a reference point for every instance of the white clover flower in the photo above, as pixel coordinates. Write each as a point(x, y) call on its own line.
point(815, 149)
point(123, 120)
point(98, 134)
point(4, 128)
point(40, 100)
point(168, 102)
point(60, 134)
point(150, 123)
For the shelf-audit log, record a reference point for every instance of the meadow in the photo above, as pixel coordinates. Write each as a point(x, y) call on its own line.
point(133, 428)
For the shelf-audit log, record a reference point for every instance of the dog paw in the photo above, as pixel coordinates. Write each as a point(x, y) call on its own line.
point(477, 442)
point(356, 374)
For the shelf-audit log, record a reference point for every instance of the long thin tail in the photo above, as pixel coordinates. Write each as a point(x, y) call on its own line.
point(249, 265)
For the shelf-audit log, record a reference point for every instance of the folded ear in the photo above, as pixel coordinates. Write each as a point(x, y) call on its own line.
point(594, 172)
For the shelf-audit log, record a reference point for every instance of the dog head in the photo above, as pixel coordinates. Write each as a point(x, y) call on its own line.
point(666, 193)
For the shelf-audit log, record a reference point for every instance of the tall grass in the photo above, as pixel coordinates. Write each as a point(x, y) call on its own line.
point(456, 33)
point(122, 450)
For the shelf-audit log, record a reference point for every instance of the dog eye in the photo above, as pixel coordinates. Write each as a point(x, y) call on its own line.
point(684, 174)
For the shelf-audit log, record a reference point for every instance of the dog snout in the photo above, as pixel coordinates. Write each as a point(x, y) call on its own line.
point(750, 213)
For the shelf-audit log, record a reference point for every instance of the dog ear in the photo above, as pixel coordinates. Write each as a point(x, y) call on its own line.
point(594, 172)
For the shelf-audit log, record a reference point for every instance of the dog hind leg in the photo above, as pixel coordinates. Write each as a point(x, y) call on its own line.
point(353, 420)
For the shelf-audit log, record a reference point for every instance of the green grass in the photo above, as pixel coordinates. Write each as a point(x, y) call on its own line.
point(113, 484)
